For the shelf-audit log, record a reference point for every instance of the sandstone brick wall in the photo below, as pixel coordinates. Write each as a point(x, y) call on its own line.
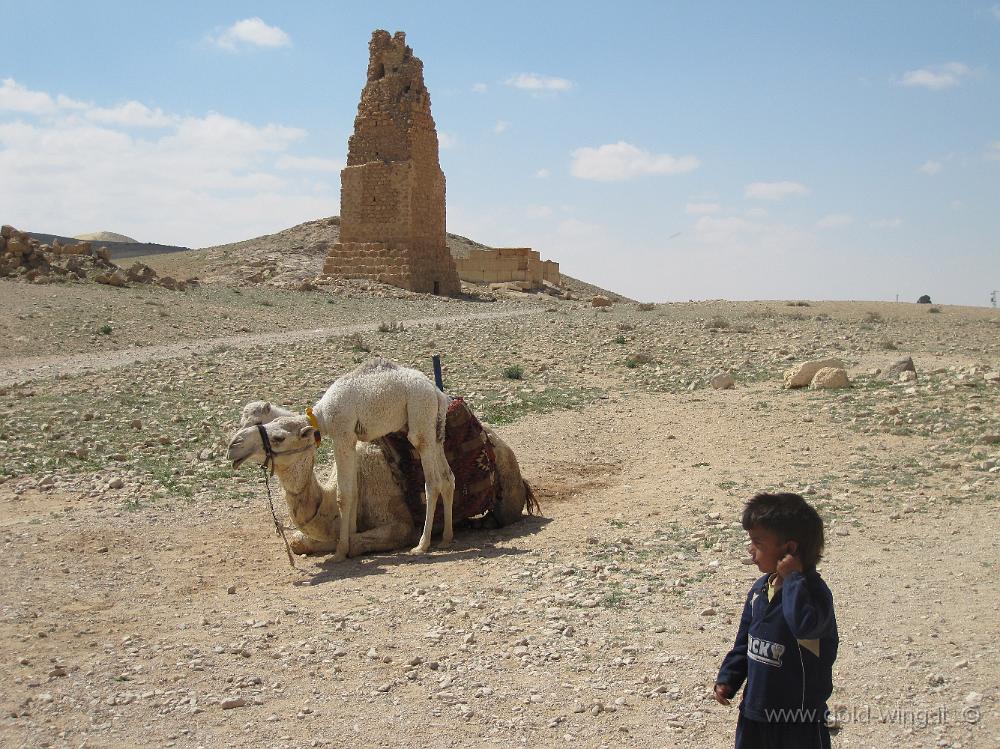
point(507, 264)
point(392, 205)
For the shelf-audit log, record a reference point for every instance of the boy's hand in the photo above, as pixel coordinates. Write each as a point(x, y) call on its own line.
point(722, 693)
point(788, 564)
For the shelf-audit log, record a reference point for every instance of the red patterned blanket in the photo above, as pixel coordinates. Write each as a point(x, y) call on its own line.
point(471, 457)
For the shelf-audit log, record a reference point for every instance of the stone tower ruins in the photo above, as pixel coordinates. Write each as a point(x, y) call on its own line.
point(392, 211)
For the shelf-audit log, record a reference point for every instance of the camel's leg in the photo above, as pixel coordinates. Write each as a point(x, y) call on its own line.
point(424, 544)
point(439, 480)
point(303, 544)
point(384, 538)
point(347, 489)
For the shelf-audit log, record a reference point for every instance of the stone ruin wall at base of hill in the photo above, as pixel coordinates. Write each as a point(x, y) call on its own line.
point(508, 264)
point(392, 204)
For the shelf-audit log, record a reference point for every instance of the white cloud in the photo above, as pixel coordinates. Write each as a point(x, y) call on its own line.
point(447, 140)
point(701, 209)
point(501, 126)
point(309, 163)
point(755, 212)
point(543, 174)
point(886, 223)
point(479, 88)
point(16, 98)
point(251, 32)
point(774, 190)
point(539, 83)
point(835, 220)
point(995, 10)
point(538, 211)
point(130, 114)
point(931, 167)
point(993, 151)
point(735, 235)
point(200, 181)
point(937, 77)
point(619, 161)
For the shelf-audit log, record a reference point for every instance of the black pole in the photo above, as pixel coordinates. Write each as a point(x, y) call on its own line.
point(438, 380)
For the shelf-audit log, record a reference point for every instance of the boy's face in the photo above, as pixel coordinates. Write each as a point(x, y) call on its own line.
point(766, 548)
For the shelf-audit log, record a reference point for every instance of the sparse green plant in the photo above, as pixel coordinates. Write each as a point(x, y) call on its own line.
point(647, 307)
point(872, 317)
point(626, 326)
point(356, 343)
point(513, 372)
point(887, 344)
point(621, 340)
point(717, 323)
point(390, 327)
point(934, 309)
point(798, 303)
point(105, 329)
point(266, 303)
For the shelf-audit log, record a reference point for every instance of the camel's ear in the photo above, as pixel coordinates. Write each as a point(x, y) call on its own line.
point(267, 406)
point(305, 432)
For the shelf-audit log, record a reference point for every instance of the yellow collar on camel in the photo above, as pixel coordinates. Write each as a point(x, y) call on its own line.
point(314, 423)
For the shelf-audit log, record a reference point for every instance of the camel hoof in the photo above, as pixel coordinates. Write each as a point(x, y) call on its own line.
point(444, 543)
point(340, 556)
point(419, 549)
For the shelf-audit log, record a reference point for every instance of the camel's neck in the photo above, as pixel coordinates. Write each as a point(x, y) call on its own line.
point(304, 494)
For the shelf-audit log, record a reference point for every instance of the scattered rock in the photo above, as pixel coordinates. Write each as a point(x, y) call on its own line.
point(898, 367)
point(830, 378)
point(231, 702)
point(801, 375)
point(723, 381)
point(600, 301)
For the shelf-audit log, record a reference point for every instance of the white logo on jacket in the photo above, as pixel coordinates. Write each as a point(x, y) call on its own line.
point(764, 651)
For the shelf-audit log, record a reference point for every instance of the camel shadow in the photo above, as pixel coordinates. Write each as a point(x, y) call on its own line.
point(469, 543)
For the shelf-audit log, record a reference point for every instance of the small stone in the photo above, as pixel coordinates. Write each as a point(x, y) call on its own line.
point(723, 381)
point(231, 589)
point(710, 611)
point(116, 483)
point(136, 424)
point(842, 531)
point(231, 702)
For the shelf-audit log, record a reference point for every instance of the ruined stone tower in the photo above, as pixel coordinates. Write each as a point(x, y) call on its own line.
point(392, 212)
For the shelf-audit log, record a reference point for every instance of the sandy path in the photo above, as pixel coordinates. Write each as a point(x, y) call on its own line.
point(17, 371)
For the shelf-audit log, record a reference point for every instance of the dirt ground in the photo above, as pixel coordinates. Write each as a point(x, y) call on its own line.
point(147, 602)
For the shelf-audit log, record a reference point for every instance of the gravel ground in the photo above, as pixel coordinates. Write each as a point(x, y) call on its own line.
point(147, 602)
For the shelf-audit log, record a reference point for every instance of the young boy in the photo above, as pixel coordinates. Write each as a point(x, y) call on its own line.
point(787, 640)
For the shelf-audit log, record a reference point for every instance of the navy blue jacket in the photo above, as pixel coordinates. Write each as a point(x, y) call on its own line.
point(785, 651)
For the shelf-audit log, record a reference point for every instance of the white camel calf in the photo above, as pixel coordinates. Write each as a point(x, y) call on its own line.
point(376, 399)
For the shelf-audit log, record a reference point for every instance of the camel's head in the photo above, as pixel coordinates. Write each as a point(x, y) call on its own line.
point(287, 435)
point(257, 412)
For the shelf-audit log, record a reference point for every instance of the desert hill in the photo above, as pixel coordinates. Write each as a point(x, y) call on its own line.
point(292, 256)
point(119, 250)
point(106, 236)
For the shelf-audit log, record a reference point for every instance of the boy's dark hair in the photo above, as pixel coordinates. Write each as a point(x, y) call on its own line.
point(792, 518)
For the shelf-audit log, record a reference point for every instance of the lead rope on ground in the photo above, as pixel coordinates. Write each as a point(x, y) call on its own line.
point(274, 516)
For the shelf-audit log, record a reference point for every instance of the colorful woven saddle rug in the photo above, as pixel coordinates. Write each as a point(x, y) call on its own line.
point(471, 457)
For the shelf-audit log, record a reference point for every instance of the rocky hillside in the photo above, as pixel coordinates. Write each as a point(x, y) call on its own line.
point(294, 257)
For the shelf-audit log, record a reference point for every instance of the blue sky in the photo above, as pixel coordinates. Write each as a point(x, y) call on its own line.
point(668, 151)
